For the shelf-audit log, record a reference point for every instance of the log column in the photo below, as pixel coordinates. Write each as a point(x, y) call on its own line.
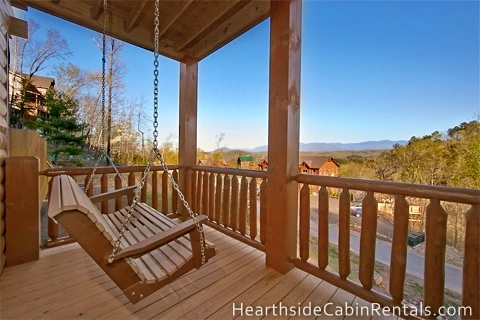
point(187, 146)
point(283, 133)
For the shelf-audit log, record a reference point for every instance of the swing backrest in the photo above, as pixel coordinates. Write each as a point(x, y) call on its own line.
point(67, 197)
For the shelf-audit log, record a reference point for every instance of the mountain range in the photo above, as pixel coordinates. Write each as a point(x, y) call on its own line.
point(322, 146)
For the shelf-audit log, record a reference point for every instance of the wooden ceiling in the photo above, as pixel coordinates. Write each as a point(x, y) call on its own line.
point(188, 28)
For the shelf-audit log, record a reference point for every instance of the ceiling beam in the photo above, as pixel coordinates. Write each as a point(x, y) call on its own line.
point(19, 5)
point(97, 6)
point(134, 14)
point(77, 12)
point(174, 17)
point(246, 18)
point(223, 10)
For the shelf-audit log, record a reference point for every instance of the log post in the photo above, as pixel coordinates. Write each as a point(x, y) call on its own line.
point(283, 133)
point(187, 144)
point(22, 238)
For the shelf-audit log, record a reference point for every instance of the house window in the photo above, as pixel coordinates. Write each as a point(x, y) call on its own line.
point(304, 170)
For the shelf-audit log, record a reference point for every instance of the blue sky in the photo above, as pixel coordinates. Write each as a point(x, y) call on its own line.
point(371, 70)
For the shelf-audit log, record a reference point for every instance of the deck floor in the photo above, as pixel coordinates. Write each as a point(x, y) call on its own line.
point(66, 284)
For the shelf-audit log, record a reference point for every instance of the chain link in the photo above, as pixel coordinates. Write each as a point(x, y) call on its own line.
point(155, 154)
point(102, 142)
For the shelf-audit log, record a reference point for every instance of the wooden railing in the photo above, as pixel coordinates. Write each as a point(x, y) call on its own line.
point(435, 229)
point(234, 201)
point(156, 192)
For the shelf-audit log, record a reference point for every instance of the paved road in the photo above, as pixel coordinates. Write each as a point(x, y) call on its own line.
point(415, 262)
point(384, 227)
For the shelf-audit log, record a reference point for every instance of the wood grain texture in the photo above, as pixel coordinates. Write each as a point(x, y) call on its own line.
point(305, 222)
point(283, 132)
point(368, 240)
point(398, 259)
point(323, 228)
point(471, 263)
point(435, 244)
point(22, 231)
point(344, 235)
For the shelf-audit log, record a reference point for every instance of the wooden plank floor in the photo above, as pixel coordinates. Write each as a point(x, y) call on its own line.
point(66, 284)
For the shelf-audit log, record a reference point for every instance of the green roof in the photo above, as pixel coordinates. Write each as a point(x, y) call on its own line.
point(246, 158)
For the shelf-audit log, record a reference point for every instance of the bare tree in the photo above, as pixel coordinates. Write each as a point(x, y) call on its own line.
point(113, 80)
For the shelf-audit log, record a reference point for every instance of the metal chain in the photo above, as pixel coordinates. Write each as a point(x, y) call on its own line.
point(155, 76)
point(154, 153)
point(102, 145)
point(186, 205)
point(135, 200)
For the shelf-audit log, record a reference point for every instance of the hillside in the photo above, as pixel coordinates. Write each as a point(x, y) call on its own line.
point(328, 147)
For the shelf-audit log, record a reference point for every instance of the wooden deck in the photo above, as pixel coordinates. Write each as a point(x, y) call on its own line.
point(66, 284)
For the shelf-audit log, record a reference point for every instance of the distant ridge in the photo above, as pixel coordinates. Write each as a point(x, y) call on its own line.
point(322, 147)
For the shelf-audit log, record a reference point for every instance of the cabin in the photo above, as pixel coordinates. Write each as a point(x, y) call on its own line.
point(36, 90)
point(325, 166)
point(245, 162)
point(272, 244)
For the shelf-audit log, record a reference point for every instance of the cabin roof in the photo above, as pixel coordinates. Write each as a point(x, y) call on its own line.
point(315, 162)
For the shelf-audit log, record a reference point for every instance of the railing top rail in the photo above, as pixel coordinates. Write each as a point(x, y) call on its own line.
point(100, 170)
point(461, 195)
point(233, 171)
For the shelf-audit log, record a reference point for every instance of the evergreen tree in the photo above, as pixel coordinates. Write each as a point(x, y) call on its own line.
point(60, 127)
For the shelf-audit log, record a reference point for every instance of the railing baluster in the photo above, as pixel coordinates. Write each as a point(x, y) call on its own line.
point(305, 222)
point(243, 206)
point(165, 192)
point(174, 194)
point(211, 196)
point(435, 244)
point(253, 208)
point(344, 235)
point(368, 240)
point(398, 259)
point(193, 179)
point(131, 179)
point(118, 201)
point(52, 226)
point(323, 227)
point(103, 189)
point(198, 198)
point(205, 194)
point(471, 263)
point(263, 211)
point(155, 190)
point(234, 204)
point(218, 199)
point(226, 201)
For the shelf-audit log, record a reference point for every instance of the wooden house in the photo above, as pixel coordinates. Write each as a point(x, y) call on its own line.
point(325, 166)
point(36, 90)
point(267, 253)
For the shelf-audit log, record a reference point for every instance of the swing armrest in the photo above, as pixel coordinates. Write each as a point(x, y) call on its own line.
point(112, 194)
point(142, 247)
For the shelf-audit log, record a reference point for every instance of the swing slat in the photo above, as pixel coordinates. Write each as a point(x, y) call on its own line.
point(153, 252)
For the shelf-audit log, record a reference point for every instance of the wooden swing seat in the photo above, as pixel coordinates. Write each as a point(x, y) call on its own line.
point(154, 251)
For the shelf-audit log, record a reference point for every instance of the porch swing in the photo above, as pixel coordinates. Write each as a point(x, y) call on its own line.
point(139, 248)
